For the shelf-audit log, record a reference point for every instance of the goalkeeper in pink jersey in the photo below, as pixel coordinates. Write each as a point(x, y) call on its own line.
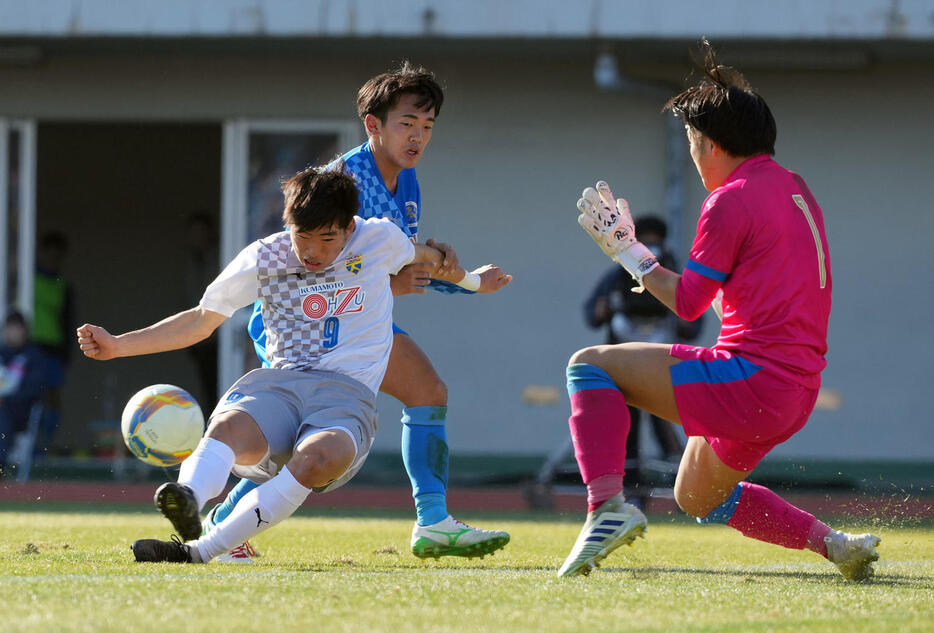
point(761, 257)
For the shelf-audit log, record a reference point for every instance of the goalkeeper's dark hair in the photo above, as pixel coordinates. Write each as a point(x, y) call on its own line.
point(316, 198)
point(381, 93)
point(725, 109)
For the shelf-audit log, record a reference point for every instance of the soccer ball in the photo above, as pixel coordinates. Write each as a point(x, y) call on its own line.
point(162, 425)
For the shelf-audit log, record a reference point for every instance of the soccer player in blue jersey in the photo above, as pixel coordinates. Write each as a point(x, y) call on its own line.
point(398, 110)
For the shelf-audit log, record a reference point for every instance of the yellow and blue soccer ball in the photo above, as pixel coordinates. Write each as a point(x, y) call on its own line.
point(162, 425)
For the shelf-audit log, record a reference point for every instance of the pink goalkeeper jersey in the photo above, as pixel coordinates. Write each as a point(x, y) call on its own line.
point(761, 239)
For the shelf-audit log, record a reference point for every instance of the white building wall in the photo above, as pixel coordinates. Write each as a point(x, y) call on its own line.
point(866, 151)
point(522, 131)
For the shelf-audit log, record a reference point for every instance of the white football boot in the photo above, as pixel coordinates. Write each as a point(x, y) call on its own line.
point(613, 524)
point(242, 553)
point(853, 554)
point(451, 537)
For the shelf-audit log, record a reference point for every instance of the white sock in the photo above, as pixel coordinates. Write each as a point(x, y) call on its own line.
point(193, 552)
point(206, 470)
point(258, 510)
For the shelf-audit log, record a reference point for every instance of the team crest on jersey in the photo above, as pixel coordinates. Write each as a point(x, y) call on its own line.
point(411, 212)
point(354, 263)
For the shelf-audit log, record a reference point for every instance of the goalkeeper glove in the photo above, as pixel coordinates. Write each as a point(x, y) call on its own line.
point(611, 227)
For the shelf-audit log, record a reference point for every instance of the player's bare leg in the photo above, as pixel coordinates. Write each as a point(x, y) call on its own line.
point(715, 493)
point(245, 438)
point(703, 480)
point(640, 371)
point(600, 380)
point(317, 461)
point(232, 437)
point(412, 379)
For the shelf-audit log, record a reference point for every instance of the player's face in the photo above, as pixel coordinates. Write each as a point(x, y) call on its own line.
point(402, 139)
point(317, 249)
point(702, 155)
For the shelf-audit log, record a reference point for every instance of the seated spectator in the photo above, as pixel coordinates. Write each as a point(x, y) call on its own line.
point(21, 381)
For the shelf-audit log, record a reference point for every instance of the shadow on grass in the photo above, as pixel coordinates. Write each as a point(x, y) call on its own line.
point(68, 507)
point(890, 580)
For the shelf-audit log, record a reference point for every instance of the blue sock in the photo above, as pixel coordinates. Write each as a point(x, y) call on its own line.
point(425, 454)
point(224, 509)
point(724, 512)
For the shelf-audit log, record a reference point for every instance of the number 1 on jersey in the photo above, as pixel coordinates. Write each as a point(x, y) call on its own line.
point(821, 266)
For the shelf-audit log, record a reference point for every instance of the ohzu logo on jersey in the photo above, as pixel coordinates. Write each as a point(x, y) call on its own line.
point(354, 263)
point(344, 301)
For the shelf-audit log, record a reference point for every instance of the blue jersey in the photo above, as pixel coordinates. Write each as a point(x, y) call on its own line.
point(403, 208)
point(376, 201)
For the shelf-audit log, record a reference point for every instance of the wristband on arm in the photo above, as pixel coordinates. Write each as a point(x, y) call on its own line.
point(471, 281)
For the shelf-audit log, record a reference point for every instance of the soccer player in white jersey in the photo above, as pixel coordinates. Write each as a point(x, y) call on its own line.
point(306, 423)
point(399, 111)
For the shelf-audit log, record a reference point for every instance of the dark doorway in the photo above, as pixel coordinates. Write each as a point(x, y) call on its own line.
point(129, 197)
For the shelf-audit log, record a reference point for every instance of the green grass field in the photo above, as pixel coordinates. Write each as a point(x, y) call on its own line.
point(70, 569)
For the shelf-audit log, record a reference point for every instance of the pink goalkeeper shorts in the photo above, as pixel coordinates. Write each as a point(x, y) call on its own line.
point(742, 410)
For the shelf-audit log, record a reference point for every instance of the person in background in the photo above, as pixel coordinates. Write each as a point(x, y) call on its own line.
point(52, 323)
point(22, 369)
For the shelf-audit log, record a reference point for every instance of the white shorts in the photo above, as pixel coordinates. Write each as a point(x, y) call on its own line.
point(290, 405)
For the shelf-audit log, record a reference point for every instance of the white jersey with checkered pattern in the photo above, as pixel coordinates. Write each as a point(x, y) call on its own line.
point(339, 319)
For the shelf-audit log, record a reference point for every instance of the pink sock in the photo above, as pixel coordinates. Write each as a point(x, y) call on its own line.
point(763, 515)
point(816, 537)
point(599, 425)
point(602, 488)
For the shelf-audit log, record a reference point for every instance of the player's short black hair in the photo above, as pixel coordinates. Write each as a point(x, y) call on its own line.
point(317, 198)
point(725, 109)
point(382, 92)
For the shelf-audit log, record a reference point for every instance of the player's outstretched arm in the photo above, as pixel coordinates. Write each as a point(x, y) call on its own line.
point(177, 331)
point(611, 227)
point(492, 278)
point(483, 280)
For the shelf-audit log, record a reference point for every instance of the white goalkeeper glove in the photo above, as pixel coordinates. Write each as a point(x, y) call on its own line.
point(611, 227)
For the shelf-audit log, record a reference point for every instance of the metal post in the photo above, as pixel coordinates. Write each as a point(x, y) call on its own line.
point(233, 238)
point(27, 215)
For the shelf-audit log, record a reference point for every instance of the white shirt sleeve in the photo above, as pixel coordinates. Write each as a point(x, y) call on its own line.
point(401, 247)
point(237, 285)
